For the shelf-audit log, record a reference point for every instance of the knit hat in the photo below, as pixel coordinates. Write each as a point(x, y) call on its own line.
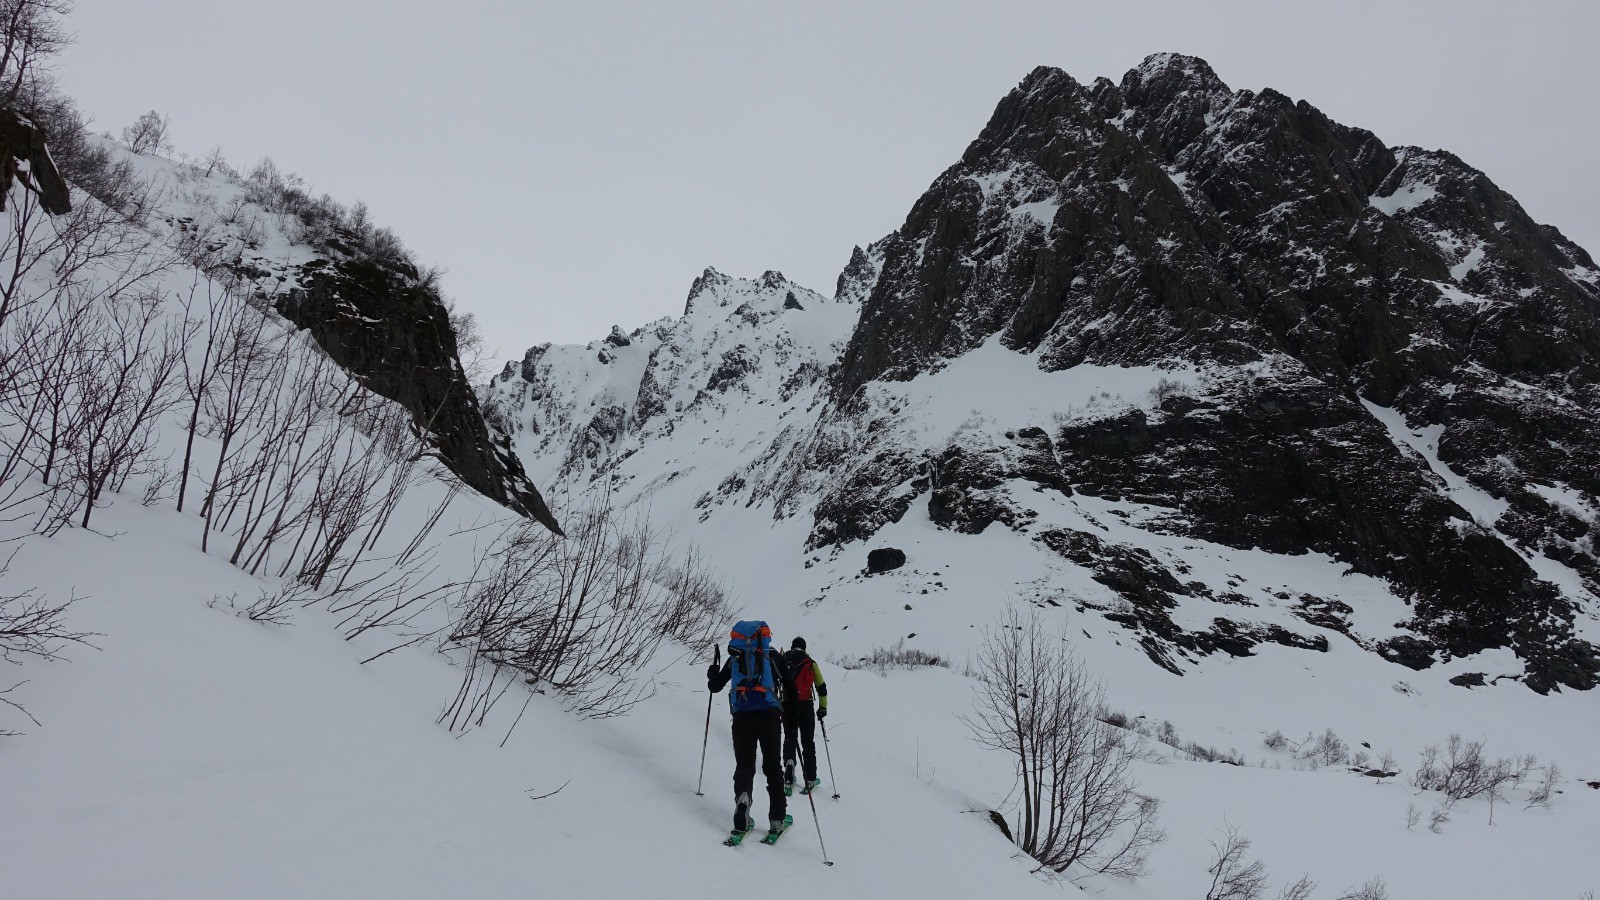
point(798, 643)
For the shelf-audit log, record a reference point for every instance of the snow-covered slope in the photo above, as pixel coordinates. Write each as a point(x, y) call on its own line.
point(693, 393)
point(198, 754)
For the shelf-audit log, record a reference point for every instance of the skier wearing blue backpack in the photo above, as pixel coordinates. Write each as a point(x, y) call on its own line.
point(756, 700)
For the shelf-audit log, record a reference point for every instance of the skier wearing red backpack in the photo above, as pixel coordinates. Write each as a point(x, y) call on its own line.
point(799, 724)
point(756, 700)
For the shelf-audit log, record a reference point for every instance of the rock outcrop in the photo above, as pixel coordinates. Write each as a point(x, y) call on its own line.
point(25, 158)
point(392, 332)
point(1322, 280)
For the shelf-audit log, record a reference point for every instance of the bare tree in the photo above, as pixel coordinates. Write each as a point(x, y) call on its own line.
point(1299, 889)
point(249, 363)
point(31, 32)
point(1233, 875)
point(129, 390)
point(148, 135)
point(207, 336)
point(75, 317)
point(1037, 703)
point(1373, 889)
point(471, 348)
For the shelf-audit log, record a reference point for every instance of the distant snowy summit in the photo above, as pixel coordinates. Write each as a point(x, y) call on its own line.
point(1232, 320)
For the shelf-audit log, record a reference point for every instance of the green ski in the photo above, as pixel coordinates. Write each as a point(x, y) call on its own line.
point(736, 837)
point(772, 836)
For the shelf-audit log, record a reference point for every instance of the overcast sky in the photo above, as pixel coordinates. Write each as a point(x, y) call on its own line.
point(576, 165)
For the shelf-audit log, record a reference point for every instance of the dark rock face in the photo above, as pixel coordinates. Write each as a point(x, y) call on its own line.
point(1149, 590)
point(394, 335)
point(736, 364)
point(22, 143)
point(1168, 220)
point(860, 274)
point(885, 559)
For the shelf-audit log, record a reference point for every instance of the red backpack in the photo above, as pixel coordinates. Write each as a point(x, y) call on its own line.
point(805, 677)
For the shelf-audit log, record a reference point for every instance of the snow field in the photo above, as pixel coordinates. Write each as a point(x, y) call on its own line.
point(199, 754)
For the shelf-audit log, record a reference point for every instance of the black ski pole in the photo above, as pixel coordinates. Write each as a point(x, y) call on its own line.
point(811, 795)
point(824, 724)
point(716, 651)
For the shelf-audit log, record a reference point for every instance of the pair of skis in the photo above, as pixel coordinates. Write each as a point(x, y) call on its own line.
point(813, 784)
point(736, 837)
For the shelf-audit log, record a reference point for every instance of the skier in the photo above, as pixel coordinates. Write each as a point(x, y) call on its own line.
point(799, 723)
point(756, 702)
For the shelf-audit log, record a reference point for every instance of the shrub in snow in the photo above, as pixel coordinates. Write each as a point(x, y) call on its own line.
point(1540, 795)
point(1168, 387)
point(1118, 719)
point(1076, 804)
point(1201, 753)
point(31, 625)
point(1168, 734)
point(1328, 749)
point(1236, 877)
point(582, 615)
point(1463, 771)
point(882, 659)
point(1437, 820)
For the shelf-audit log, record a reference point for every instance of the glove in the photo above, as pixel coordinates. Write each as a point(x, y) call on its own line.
point(822, 713)
point(712, 671)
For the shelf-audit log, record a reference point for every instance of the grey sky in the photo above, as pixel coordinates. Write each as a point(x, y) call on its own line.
point(576, 165)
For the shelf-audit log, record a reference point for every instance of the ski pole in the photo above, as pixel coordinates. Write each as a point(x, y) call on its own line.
point(824, 724)
point(716, 651)
point(811, 795)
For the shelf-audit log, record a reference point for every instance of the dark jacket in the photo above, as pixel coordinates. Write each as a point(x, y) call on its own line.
point(717, 678)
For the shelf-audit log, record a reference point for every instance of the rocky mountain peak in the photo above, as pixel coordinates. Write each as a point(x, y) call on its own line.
point(1145, 325)
point(1169, 221)
point(860, 273)
point(708, 282)
point(1176, 97)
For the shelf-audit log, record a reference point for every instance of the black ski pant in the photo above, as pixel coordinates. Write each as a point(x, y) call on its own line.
point(766, 729)
point(800, 727)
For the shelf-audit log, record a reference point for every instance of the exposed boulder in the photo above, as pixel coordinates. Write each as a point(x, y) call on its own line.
point(885, 559)
point(25, 159)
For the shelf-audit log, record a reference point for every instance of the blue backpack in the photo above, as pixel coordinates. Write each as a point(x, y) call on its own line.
point(754, 687)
